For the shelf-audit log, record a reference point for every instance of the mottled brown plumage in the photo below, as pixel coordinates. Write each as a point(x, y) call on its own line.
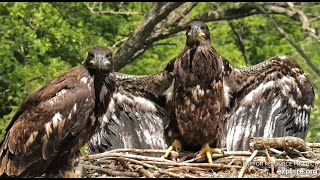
point(270, 99)
point(136, 116)
point(54, 122)
point(198, 97)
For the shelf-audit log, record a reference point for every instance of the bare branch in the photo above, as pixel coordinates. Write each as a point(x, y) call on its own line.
point(165, 20)
point(241, 11)
point(165, 44)
point(177, 15)
point(118, 43)
point(126, 53)
point(245, 165)
point(240, 42)
point(292, 42)
point(305, 22)
point(111, 172)
point(99, 10)
point(236, 12)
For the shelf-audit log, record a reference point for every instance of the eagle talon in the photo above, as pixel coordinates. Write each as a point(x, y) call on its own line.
point(206, 150)
point(70, 174)
point(176, 146)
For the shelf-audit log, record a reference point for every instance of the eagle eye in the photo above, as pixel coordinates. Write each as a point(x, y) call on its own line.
point(108, 56)
point(91, 56)
point(203, 28)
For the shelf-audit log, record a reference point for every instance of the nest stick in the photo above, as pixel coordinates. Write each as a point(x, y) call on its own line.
point(111, 172)
point(246, 163)
point(278, 142)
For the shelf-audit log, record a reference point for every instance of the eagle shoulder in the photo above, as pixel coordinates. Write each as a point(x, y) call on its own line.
point(43, 124)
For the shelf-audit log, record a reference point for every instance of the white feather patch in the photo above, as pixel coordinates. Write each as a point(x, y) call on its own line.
point(139, 102)
point(253, 95)
point(268, 130)
point(63, 91)
point(306, 107)
point(227, 95)
point(144, 104)
point(84, 80)
point(31, 138)
point(75, 107)
point(169, 92)
point(56, 118)
point(283, 57)
point(48, 128)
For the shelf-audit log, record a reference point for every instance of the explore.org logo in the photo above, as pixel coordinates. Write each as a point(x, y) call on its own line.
point(285, 167)
point(297, 171)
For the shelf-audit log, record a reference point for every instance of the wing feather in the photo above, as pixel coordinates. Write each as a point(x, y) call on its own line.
point(46, 124)
point(136, 116)
point(271, 99)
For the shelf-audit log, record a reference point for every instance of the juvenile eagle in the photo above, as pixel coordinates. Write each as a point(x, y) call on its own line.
point(136, 116)
point(55, 121)
point(271, 99)
point(198, 103)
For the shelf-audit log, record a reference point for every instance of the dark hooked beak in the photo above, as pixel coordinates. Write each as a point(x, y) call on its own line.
point(196, 32)
point(102, 62)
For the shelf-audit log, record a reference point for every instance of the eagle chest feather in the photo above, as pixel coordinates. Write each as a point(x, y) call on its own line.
point(199, 102)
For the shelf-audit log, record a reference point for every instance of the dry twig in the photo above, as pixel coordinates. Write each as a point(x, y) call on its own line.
point(243, 169)
point(126, 163)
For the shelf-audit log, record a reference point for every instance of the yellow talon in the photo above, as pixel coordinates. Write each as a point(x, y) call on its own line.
point(206, 150)
point(176, 145)
point(70, 174)
point(168, 152)
point(209, 157)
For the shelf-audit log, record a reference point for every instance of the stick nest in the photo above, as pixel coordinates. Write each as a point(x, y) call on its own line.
point(269, 157)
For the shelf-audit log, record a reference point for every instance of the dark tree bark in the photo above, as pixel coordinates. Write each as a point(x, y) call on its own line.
point(129, 50)
point(165, 19)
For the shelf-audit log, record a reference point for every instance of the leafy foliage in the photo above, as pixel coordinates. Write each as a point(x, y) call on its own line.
point(42, 40)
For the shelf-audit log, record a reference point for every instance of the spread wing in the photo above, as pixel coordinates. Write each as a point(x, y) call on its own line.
point(48, 123)
point(270, 99)
point(136, 116)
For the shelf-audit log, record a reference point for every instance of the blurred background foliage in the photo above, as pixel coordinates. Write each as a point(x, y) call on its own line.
point(40, 41)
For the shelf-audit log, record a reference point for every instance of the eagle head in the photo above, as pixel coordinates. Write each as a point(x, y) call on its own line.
point(99, 58)
point(197, 32)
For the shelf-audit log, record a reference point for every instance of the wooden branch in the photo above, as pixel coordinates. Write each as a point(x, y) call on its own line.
point(203, 165)
point(111, 172)
point(305, 22)
point(175, 16)
point(240, 42)
point(186, 168)
point(118, 43)
point(120, 163)
point(140, 151)
point(243, 169)
point(243, 10)
point(100, 10)
point(156, 168)
point(287, 142)
point(135, 44)
point(235, 12)
point(108, 154)
point(216, 156)
point(165, 20)
point(313, 145)
point(292, 42)
point(143, 172)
